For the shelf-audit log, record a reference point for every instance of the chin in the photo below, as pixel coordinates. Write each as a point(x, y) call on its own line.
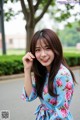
point(46, 64)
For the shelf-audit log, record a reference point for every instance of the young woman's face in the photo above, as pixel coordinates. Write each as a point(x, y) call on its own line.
point(44, 54)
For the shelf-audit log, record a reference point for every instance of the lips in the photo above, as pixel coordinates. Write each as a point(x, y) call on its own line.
point(45, 60)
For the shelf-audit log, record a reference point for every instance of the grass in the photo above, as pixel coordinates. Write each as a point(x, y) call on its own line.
point(10, 57)
point(14, 52)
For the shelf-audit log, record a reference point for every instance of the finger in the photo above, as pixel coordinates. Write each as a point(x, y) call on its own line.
point(31, 55)
point(29, 58)
point(26, 58)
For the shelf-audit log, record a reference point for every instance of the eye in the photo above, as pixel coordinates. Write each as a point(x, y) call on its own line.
point(36, 50)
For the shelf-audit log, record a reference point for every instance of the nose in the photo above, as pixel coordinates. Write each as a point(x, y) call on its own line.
point(43, 53)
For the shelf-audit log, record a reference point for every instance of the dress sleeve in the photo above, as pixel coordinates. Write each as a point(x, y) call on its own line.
point(32, 96)
point(64, 89)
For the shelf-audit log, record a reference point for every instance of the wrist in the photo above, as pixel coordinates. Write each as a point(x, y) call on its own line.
point(27, 70)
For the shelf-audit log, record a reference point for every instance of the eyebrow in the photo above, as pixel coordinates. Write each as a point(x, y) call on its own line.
point(43, 46)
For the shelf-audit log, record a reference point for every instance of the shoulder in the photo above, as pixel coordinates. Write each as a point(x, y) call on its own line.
point(64, 73)
point(63, 79)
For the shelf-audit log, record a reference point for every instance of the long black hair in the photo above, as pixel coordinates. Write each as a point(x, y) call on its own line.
point(49, 37)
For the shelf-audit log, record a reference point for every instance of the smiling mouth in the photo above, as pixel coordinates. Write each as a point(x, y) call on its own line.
point(45, 60)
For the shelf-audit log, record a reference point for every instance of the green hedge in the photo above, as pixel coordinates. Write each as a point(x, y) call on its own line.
point(12, 64)
point(73, 61)
point(72, 58)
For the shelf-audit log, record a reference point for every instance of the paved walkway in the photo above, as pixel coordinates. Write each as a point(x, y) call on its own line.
point(10, 92)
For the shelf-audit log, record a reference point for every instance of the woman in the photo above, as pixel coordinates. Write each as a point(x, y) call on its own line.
point(53, 79)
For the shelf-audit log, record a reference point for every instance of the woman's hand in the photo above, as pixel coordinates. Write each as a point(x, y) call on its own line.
point(28, 61)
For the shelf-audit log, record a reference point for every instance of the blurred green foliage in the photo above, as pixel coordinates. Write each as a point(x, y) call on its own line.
point(70, 36)
point(11, 64)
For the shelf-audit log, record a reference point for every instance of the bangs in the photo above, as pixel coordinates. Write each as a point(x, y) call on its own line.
point(45, 41)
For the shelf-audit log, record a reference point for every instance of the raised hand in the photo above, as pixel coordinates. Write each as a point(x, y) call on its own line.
point(28, 61)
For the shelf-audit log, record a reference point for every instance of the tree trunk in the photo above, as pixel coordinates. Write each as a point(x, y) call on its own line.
point(29, 34)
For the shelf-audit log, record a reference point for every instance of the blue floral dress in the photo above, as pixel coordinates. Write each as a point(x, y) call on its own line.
point(52, 108)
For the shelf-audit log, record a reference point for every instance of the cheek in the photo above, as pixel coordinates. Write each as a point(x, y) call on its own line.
point(53, 56)
point(37, 55)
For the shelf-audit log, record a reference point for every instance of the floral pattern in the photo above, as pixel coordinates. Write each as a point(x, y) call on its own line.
point(54, 108)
